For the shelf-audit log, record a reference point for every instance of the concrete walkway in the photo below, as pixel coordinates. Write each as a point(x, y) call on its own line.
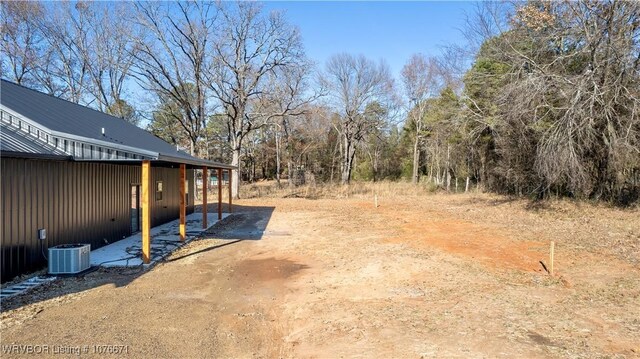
point(165, 239)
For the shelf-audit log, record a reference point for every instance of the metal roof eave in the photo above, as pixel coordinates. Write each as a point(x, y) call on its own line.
point(35, 156)
point(194, 162)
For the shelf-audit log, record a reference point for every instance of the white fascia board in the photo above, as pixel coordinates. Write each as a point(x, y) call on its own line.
point(194, 162)
point(106, 144)
point(23, 118)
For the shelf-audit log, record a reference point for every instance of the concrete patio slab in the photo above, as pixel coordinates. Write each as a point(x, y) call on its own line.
point(165, 239)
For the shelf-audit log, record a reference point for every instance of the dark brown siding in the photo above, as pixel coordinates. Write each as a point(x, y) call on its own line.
point(75, 202)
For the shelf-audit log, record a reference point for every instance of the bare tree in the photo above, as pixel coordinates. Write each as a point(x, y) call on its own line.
point(171, 58)
point(289, 95)
point(250, 49)
point(110, 57)
point(68, 35)
point(354, 84)
point(419, 78)
point(21, 40)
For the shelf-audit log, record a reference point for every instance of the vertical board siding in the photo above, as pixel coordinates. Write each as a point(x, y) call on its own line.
point(76, 202)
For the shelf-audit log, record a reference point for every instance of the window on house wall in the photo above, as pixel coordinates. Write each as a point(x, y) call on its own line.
point(186, 192)
point(158, 190)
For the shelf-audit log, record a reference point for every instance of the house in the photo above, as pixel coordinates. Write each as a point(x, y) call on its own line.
point(83, 176)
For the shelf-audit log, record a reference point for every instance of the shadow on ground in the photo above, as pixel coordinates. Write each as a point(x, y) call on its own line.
point(246, 223)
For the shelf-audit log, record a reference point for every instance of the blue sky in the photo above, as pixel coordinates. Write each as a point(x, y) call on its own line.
point(389, 30)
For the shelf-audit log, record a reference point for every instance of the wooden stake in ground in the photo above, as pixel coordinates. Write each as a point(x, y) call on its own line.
point(551, 255)
point(375, 199)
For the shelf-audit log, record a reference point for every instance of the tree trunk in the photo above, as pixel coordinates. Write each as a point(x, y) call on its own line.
point(235, 161)
point(290, 174)
point(375, 166)
point(466, 188)
point(347, 166)
point(447, 169)
point(416, 160)
point(336, 148)
point(193, 143)
point(253, 171)
point(347, 161)
point(278, 159)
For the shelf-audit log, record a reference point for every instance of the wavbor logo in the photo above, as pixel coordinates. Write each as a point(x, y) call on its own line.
point(22, 349)
point(25, 349)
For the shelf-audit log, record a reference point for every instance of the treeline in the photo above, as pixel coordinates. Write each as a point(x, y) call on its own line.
point(543, 100)
point(549, 106)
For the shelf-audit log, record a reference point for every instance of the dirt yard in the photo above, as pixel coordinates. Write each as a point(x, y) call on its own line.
point(420, 276)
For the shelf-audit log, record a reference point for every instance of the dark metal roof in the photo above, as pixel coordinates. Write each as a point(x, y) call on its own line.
point(13, 141)
point(69, 118)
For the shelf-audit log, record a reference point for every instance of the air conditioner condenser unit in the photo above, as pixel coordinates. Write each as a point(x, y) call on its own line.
point(69, 258)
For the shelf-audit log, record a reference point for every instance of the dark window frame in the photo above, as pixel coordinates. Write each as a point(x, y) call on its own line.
point(159, 190)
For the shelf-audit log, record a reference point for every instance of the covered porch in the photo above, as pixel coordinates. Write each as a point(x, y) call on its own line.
point(164, 239)
point(205, 219)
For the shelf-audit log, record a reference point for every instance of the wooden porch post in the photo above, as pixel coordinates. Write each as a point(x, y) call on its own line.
point(230, 192)
point(183, 207)
point(219, 174)
point(205, 184)
point(145, 204)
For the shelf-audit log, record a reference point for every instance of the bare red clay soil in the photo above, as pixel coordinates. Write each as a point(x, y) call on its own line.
point(420, 276)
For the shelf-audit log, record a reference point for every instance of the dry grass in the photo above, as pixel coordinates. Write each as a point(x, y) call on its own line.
point(270, 189)
point(392, 189)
